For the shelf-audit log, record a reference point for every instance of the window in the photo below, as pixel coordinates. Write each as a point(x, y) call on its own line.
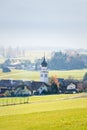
point(41, 75)
point(45, 75)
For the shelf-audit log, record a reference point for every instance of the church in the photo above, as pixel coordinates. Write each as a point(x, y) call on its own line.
point(44, 71)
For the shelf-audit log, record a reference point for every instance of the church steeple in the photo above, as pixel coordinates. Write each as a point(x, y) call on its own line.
point(44, 63)
point(44, 71)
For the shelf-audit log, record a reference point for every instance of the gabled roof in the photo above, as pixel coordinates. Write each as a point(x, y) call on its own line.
point(37, 84)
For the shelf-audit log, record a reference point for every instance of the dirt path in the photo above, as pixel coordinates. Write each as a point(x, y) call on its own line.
point(58, 99)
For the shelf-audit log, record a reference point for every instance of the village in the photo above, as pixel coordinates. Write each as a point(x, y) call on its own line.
point(45, 86)
point(43, 64)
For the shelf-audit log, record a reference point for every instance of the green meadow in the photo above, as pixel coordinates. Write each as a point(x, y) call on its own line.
point(52, 112)
point(35, 75)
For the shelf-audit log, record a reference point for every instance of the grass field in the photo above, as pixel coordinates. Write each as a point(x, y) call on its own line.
point(35, 75)
point(52, 112)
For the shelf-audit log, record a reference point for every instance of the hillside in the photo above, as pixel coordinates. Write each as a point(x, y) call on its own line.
point(54, 112)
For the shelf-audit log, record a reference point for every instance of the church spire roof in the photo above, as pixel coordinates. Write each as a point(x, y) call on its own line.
point(44, 63)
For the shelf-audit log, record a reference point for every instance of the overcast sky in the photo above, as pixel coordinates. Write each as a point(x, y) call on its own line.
point(61, 23)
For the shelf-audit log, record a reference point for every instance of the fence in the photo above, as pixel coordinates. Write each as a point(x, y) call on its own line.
point(6, 101)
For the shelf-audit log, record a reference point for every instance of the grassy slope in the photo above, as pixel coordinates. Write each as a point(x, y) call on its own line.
point(54, 112)
point(35, 75)
point(54, 120)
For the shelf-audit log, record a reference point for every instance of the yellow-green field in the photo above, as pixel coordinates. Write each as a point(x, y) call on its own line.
point(35, 75)
point(52, 112)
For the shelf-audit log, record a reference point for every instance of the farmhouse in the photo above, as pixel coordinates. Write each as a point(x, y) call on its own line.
point(22, 90)
point(6, 69)
point(23, 87)
point(39, 87)
point(71, 88)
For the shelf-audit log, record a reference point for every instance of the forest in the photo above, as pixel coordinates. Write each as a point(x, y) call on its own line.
point(64, 61)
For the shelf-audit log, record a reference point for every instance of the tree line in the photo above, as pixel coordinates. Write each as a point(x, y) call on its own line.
point(63, 61)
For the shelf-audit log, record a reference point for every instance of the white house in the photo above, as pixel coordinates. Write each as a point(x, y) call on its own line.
point(42, 89)
point(71, 86)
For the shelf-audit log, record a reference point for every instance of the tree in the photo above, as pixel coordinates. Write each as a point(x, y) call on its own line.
point(54, 84)
point(85, 77)
point(58, 61)
point(61, 61)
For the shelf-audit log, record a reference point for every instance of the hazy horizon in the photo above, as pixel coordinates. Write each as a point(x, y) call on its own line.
point(48, 23)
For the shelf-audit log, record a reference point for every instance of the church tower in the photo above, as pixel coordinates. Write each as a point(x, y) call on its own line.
point(44, 71)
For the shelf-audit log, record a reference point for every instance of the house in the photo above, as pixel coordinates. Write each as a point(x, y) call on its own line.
point(39, 87)
point(3, 90)
point(6, 69)
point(21, 87)
point(82, 86)
point(43, 89)
point(9, 85)
point(22, 90)
point(71, 88)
